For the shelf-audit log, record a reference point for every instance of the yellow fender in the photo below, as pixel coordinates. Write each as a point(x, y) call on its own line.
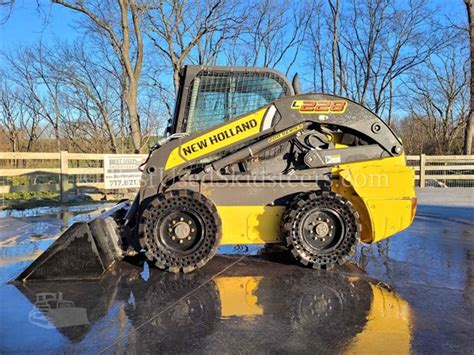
point(383, 193)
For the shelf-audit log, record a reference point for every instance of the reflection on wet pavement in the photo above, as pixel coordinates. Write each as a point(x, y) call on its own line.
point(411, 293)
point(214, 311)
point(62, 212)
point(25, 234)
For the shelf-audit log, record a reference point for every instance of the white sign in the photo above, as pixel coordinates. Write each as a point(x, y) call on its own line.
point(121, 170)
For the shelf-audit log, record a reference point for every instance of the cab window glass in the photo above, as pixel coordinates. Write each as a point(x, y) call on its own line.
point(215, 98)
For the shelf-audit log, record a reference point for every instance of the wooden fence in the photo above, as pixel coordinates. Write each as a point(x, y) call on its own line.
point(74, 172)
point(65, 173)
point(443, 170)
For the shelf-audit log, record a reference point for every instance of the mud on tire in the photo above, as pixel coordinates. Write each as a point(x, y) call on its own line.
point(180, 230)
point(321, 229)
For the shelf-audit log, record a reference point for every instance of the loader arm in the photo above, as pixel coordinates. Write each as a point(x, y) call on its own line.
point(283, 120)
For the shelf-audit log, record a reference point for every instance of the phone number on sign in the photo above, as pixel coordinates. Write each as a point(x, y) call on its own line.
point(124, 183)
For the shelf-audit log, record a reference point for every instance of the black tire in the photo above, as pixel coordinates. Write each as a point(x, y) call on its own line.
point(321, 229)
point(197, 239)
point(176, 330)
point(316, 304)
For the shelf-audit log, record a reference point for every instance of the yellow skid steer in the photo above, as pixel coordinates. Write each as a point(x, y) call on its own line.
point(248, 159)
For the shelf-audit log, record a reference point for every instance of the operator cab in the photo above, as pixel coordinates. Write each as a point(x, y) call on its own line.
point(210, 95)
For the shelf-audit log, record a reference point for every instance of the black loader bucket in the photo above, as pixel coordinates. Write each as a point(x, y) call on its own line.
point(83, 252)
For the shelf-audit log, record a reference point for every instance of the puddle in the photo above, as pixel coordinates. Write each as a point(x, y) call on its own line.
point(173, 313)
point(24, 234)
point(64, 213)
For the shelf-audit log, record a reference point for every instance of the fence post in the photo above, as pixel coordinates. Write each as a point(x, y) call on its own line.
point(103, 178)
point(64, 179)
point(422, 169)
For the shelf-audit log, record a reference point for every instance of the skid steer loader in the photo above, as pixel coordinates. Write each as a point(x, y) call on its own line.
point(248, 159)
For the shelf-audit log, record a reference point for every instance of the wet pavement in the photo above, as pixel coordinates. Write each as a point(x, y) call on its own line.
point(412, 292)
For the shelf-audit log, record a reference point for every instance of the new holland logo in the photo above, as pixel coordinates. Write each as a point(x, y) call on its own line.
point(219, 137)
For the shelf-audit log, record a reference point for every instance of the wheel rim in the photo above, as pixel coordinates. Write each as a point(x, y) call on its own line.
point(326, 302)
point(180, 231)
point(322, 229)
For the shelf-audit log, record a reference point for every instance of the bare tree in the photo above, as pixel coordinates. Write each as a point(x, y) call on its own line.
point(469, 132)
point(177, 27)
point(272, 35)
point(6, 9)
point(124, 34)
point(335, 7)
point(409, 41)
point(373, 44)
point(315, 48)
point(20, 116)
point(43, 89)
point(84, 77)
point(30, 120)
point(439, 100)
point(9, 117)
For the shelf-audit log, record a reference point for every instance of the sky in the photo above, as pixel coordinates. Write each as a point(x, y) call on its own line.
point(29, 23)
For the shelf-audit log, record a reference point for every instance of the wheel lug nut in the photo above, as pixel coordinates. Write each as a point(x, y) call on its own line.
point(181, 241)
point(189, 222)
point(181, 219)
point(189, 238)
point(174, 221)
point(332, 227)
point(192, 229)
point(327, 220)
point(173, 237)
